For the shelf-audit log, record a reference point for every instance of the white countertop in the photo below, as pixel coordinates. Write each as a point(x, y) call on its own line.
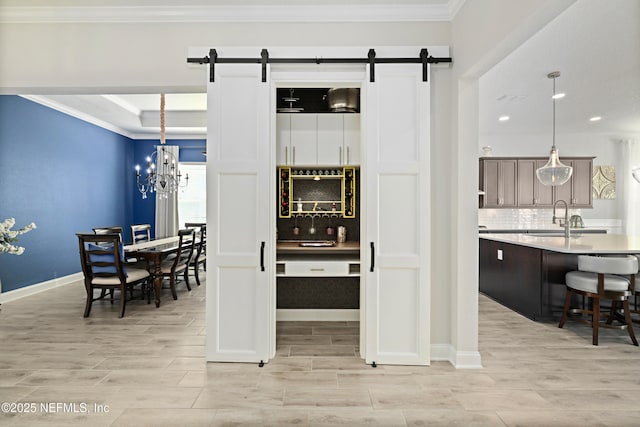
point(583, 244)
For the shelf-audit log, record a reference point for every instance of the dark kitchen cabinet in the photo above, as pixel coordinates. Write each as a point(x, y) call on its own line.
point(577, 191)
point(512, 183)
point(531, 193)
point(498, 180)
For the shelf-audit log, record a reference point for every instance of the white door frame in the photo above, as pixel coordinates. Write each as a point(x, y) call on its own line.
point(307, 77)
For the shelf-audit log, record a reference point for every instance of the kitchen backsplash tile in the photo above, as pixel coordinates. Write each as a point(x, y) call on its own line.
point(539, 218)
point(519, 218)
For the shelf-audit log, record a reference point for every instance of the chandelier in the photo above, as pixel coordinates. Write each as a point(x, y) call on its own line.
point(162, 173)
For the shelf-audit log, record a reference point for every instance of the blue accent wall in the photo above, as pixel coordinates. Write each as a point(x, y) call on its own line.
point(67, 176)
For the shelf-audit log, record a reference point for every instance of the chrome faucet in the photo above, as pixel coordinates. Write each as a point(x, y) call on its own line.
point(567, 229)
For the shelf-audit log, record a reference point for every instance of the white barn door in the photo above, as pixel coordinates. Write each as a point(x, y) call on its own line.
point(397, 216)
point(238, 177)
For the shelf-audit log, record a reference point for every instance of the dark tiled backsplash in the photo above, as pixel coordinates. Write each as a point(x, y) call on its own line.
point(285, 228)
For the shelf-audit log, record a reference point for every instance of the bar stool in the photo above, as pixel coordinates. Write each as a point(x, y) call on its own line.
point(636, 295)
point(601, 278)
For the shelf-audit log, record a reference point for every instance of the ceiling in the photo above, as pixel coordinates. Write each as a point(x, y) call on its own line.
point(596, 48)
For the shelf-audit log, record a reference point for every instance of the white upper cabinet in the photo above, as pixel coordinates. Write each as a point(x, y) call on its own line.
point(283, 139)
point(318, 139)
point(330, 139)
point(304, 139)
point(351, 148)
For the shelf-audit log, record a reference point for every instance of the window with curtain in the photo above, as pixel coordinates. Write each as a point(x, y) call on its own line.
point(192, 200)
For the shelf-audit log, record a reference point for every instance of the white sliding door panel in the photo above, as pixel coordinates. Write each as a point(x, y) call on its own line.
point(238, 176)
point(240, 209)
point(236, 289)
point(400, 210)
point(398, 131)
point(400, 307)
point(396, 159)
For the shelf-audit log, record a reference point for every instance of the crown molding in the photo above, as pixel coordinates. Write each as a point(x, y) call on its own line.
point(164, 14)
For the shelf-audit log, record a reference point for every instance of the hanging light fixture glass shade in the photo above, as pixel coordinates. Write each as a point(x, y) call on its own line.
point(554, 172)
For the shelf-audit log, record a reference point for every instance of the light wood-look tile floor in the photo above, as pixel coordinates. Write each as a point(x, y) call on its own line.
point(148, 369)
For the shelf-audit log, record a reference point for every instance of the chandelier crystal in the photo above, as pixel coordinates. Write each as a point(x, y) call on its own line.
point(162, 173)
point(554, 172)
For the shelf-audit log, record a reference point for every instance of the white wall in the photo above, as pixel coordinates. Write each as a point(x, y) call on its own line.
point(483, 33)
point(146, 57)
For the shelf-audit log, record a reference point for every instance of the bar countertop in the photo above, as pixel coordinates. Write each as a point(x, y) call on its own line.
point(582, 244)
point(293, 247)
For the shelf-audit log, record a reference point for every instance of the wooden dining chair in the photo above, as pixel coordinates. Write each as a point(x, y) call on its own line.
point(108, 230)
point(199, 256)
point(180, 262)
point(140, 233)
point(103, 265)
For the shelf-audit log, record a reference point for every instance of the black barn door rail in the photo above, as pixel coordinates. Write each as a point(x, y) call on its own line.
point(424, 58)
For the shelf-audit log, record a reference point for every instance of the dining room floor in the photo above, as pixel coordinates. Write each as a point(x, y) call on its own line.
point(148, 369)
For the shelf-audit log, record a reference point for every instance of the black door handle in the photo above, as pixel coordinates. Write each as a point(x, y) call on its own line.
point(373, 256)
point(262, 256)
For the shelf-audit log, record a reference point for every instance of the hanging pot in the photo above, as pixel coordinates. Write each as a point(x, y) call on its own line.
point(343, 99)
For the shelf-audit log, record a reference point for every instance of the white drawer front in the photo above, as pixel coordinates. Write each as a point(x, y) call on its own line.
point(316, 268)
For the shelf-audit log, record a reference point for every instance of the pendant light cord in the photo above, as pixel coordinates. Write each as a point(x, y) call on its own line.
point(162, 126)
point(554, 112)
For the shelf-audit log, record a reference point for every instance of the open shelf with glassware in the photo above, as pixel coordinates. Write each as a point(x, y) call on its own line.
point(328, 192)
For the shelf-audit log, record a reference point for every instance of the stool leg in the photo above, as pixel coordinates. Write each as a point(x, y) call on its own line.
point(627, 318)
point(595, 320)
point(565, 310)
point(612, 313)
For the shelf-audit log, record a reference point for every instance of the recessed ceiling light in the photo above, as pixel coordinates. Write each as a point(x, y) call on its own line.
point(595, 118)
point(503, 118)
point(558, 96)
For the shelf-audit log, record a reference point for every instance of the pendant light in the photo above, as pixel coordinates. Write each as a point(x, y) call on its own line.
point(554, 172)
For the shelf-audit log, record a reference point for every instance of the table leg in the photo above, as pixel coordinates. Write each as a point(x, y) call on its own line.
point(157, 279)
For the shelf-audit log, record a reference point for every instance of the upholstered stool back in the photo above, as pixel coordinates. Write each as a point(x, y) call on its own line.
point(608, 265)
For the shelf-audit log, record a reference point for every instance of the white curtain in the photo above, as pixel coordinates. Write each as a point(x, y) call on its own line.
point(631, 188)
point(167, 204)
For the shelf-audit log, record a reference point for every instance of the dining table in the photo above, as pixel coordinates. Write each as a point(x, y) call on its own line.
point(154, 251)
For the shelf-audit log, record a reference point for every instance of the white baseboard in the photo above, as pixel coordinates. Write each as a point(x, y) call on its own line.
point(459, 359)
point(338, 315)
point(40, 287)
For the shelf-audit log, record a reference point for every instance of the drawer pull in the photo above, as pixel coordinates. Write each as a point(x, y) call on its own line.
point(316, 269)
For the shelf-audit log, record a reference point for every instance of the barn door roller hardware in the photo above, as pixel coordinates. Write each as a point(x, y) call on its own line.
point(424, 58)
